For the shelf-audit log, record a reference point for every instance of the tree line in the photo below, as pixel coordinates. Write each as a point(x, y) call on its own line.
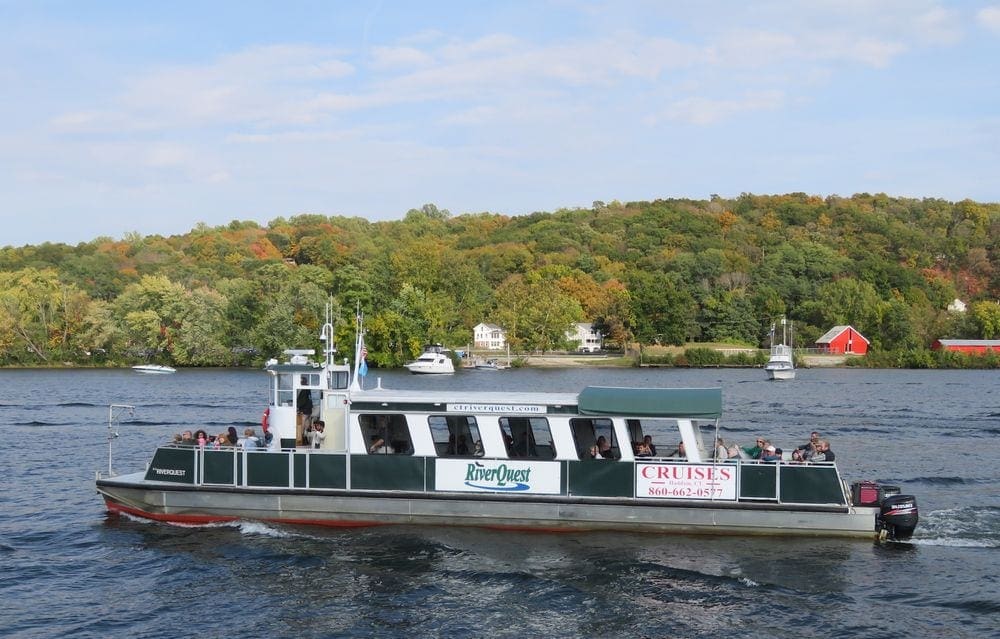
point(666, 272)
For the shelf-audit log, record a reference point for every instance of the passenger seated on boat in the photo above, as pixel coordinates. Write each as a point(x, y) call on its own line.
point(379, 447)
point(508, 443)
point(807, 450)
point(478, 450)
point(232, 436)
point(721, 451)
point(642, 449)
point(604, 448)
point(754, 452)
point(316, 434)
point(770, 454)
point(249, 440)
point(221, 440)
point(648, 441)
point(823, 452)
point(678, 452)
point(178, 438)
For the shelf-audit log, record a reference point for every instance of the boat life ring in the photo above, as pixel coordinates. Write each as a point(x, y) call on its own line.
point(265, 421)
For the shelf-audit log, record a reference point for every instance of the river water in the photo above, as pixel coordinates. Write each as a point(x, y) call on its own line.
point(68, 569)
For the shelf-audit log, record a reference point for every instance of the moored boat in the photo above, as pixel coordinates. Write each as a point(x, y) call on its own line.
point(154, 369)
point(490, 365)
point(781, 364)
point(435, 360)
point(517, 460)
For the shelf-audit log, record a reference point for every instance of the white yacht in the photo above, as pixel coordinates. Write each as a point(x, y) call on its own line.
point(435, 360)
point(781, 365)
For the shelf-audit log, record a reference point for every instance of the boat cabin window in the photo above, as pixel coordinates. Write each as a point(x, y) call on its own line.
point(527, 437)
point(665, 435)
point(454, 435)
point(586, 432)
point(339, 379)
point(284, 393)
point(309, 379)
point(386, 434)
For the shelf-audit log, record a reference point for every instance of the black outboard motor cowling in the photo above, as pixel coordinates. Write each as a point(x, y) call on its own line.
point(898, 517)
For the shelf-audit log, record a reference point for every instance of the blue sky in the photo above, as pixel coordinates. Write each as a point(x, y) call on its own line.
point(145, 117)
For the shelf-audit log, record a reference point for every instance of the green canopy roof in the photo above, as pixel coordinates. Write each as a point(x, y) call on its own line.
point(704, 403)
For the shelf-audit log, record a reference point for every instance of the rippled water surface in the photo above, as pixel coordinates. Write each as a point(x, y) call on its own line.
point(69, 569)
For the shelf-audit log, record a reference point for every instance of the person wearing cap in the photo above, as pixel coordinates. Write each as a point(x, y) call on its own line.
point(770, 454)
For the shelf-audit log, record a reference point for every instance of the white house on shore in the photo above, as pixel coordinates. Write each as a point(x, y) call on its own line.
point(489, 336)
point(588, 340)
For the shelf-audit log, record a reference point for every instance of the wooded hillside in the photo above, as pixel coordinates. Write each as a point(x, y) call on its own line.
point(668, 272)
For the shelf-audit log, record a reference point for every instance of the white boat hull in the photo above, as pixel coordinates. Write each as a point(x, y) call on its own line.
point(340, 508)
point(421, 368)
point(780, 373)
point(154, 369)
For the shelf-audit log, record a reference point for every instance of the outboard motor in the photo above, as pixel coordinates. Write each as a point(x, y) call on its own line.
point(897, 517)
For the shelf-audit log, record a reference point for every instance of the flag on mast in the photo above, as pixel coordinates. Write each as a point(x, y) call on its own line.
point(363, 369)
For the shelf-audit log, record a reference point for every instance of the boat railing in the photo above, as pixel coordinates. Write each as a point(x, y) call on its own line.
point(779, 482)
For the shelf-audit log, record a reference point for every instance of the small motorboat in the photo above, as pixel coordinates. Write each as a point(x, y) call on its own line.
point(154, 369)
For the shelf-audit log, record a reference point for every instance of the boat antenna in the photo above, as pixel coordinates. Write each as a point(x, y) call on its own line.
point(115, 412)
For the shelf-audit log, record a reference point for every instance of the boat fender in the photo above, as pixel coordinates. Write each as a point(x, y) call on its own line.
point(265, 421)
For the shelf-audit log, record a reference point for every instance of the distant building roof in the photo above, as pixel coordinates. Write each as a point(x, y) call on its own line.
point(969, 342)
point(832, 334)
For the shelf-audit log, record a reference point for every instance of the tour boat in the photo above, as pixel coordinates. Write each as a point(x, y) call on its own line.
point(781, 364)
point(154, 369)
point(503, 460)
point(435, 360)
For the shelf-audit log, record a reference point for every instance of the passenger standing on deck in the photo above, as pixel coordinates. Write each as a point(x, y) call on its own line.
point(304, 406)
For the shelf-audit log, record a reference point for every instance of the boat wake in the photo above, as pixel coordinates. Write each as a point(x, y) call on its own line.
point(960, 528)
point(246, 528)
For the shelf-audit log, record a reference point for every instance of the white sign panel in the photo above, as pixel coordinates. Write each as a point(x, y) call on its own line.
point(497, 476)
point(511, 409)
point(686, 481)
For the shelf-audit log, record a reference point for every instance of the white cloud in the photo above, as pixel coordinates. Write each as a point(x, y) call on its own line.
point(387, 58)
point(938, 26)
point(989, 18)
point(702, 111)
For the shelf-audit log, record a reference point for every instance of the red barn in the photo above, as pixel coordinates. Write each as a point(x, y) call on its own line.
point(967, 346)
point(843, 340)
